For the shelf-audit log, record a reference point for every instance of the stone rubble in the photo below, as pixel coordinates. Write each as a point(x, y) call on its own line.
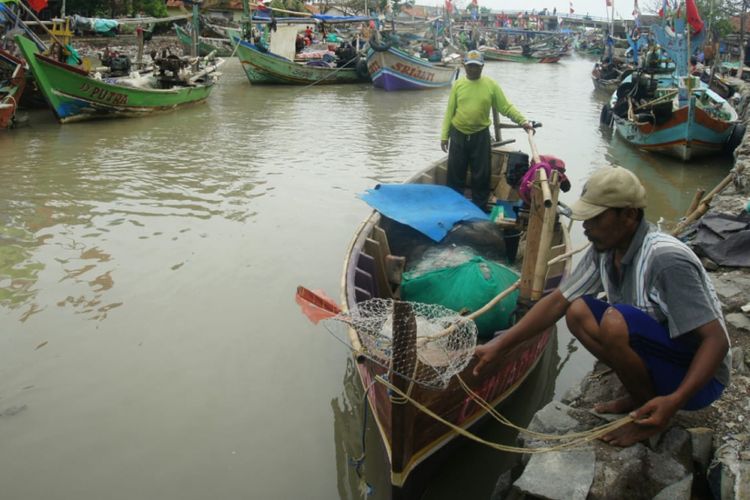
point(704, 454)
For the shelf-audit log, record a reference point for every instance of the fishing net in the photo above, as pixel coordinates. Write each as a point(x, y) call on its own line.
point(424, 343)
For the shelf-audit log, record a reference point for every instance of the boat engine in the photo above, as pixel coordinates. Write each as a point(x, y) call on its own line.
point(118, 64)
point(169, 66)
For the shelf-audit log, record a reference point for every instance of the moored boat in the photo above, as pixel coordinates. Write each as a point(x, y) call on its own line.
point(221, 47)
point(12, 84)
point(493, 54)
point(672, 112)
point(264, 67)
point(415, 442)
point(75, 95)
point(393, 69)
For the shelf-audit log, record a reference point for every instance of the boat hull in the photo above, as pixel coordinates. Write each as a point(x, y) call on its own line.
point(75, 96)
point(266, 68)
point(689, 133)
point(11, 93)
point(491, 54)
point(393, 70)
point(413, 440)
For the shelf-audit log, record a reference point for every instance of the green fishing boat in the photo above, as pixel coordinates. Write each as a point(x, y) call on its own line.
point(75, 95)
point(268, 68)
point(221, 46)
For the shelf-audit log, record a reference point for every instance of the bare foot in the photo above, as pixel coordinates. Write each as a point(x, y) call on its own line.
point(622, 405)
point(630, 434)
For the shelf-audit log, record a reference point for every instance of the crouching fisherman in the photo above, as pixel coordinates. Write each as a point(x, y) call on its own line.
point(661, 329)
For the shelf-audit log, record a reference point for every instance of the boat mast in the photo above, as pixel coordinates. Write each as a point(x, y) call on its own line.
point(196, 28)
point(247, 21)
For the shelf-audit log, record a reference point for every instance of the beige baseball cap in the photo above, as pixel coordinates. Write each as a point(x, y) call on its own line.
point(609, 187)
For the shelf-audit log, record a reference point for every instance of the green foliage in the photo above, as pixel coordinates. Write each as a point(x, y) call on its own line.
point(116, 8)
point(293, 5)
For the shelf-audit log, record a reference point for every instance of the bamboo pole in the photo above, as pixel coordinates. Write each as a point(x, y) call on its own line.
point(705, 203)
point(696, 199)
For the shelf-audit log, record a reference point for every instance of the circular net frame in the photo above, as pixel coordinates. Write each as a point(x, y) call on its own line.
point(435, 342)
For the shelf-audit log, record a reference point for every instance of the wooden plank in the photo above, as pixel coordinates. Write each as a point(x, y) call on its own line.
point(374, 249)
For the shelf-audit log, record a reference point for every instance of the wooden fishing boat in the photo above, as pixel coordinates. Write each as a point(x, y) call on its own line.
point(393, 69)
point(673, 113)
point(264, 67)
point(415, 442)
point(607, 77)
point(220, 47)
point(493, 54)
point(75, 95)
point(12, 85)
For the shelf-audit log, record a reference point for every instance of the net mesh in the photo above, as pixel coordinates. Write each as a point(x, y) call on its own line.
point(424, 343)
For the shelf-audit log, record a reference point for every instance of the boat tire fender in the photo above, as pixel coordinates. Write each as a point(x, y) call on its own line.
point(361, 68)
point(379, 46)
point(606, 116)
point(735, 138)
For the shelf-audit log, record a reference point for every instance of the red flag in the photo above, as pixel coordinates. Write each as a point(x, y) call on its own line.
point(475, 3)
point(693, 18)
point(37, 5)
point(609, 3)
point(571, 7)
point(448, 6)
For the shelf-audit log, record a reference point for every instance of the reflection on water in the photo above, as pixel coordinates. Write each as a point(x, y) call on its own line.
point(471, 471)
point(155, 260)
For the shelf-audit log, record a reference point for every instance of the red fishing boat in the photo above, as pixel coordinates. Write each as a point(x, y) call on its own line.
point(414, 441)
point(12, 84)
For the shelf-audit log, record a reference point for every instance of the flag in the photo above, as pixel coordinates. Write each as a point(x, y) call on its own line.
point(664, 7)
point(37, 5)
point(475, 3)
point(571, 7)
point(448, 6)
point(609, 3)
point(636, 9)
point(693, 18)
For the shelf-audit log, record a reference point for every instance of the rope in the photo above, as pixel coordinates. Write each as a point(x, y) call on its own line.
point(578, 438)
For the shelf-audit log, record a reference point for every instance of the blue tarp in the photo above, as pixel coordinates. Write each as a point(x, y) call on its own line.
point(430, 209)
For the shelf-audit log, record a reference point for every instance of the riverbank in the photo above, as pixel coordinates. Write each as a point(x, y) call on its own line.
point(704, 454)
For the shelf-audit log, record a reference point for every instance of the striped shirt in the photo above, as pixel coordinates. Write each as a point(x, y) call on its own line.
point(661, 276)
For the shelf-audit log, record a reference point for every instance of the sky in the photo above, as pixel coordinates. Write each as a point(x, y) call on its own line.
point(623, 8)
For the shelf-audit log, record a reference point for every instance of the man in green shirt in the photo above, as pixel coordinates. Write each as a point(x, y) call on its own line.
point(466, 128)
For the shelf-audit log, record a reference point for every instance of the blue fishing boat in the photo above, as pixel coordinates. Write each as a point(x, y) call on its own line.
point(661, 108)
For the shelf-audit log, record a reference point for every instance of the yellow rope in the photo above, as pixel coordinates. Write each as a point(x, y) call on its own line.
point(546, 437)
point(590, 435)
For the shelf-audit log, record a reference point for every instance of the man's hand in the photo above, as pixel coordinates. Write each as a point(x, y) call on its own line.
point(444, 145)
point(657, 412)
point(528, 127)
point(487, 354)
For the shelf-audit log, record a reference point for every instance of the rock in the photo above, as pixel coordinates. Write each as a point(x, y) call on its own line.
point(702, 439)
point(738, 321)
point(726, 289)
point(677, 491)
point(708, 264)
point(663, 469)
point(728, 475)
point(620, 470)
point(553, 419)
point(677, 443)
point(738, 360)
point(502, 487)
point(558, 475)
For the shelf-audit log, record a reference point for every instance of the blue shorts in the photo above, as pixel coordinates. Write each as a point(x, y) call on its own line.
point(667, 359)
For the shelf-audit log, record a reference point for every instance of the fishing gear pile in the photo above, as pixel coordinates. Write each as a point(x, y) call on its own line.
point(424, 343)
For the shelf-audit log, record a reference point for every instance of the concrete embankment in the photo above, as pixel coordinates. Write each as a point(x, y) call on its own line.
point(704, 454)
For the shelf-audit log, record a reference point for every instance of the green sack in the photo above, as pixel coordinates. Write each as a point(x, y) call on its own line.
point(468, 286)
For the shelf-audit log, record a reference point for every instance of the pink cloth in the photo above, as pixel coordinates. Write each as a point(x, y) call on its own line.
point(548, 163)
